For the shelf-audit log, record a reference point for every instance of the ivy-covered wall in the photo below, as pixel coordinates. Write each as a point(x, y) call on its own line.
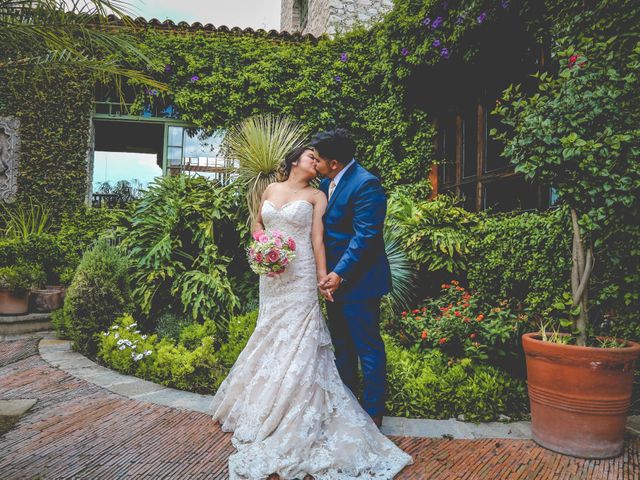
point(364, 80)
point(54, 112)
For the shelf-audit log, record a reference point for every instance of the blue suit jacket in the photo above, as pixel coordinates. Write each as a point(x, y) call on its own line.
point(353, 225)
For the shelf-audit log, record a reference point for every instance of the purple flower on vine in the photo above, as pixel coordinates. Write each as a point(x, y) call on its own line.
point(504, 3)
point(444, 53)
point(167, 68)
point(482, 17)
point(436, 23)
point(195, 78)
point(426, 21)
point(460, 19)
point(344, 57)
point(338, 79)
point(404, 52)
point(436, 43)
point(153, 92)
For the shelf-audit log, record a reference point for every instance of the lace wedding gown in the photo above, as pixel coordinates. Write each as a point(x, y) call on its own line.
point(284, 399)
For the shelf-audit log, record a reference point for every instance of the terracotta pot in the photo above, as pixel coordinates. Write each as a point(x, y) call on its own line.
point(14, 302)
point(579, 396)
point(47, 299)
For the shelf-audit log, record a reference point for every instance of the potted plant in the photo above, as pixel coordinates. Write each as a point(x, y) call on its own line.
point(15, 282)
point(579, 133)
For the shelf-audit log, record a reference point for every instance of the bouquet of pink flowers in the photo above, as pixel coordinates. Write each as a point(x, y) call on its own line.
point(271, 252)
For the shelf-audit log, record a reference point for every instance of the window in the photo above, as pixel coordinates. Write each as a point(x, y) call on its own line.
point(471, 166)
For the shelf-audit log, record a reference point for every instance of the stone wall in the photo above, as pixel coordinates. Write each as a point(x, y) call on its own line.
point(332, 16)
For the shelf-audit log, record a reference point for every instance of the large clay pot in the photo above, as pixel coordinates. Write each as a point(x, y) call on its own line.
point(47, 299)
point(14, 302)
point(579, 396)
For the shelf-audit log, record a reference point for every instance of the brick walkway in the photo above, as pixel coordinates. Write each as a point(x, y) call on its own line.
point(81, 431)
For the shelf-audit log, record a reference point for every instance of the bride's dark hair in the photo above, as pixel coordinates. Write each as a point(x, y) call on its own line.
point(290, 158)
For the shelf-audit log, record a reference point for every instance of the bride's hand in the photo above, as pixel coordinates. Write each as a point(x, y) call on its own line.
point(326, 294)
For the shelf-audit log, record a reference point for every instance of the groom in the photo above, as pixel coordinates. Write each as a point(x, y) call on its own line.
point(359, 270)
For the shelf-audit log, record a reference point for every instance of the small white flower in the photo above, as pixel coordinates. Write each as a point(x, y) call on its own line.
point(115, 327)
point(136, 357)
point(127, 342)
point(105, 333)
point(119, 342)
point(122, 347)
point(147, 352)
point(144, 337)
point(137, 331)
point(117, 335)
point(133, 324)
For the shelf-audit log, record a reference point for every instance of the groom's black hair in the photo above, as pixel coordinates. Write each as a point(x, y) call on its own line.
point(334, 145)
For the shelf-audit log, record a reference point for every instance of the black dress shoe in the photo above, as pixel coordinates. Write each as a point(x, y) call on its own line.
point(377, 420)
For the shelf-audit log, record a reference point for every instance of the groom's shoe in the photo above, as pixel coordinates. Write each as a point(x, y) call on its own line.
point(377, 420)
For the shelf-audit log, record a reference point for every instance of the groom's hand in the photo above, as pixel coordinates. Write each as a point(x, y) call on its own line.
point(331, 282)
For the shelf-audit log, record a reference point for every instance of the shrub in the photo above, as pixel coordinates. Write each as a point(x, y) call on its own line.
point(456, 324)
point(524, 258)
point(170, 324)
point(240, 329)
point(98, 294)
point(181, 240)
point(42, 249)
point(21, 277)
point(426, 385)
point(433, 233)
point(197, 362)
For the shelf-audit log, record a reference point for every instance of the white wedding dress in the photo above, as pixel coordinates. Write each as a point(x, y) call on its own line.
point(284, 399)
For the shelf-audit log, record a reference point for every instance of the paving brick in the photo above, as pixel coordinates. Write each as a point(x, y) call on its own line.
point(82, 431)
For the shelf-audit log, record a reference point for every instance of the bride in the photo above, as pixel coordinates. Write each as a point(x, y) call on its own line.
point(284, 400)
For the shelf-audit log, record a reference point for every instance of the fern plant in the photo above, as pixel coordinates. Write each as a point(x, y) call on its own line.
point(403, 273)
point(433, 233)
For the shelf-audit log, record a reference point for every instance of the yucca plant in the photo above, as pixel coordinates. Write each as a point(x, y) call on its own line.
point(22, 221)
point(403, 273)
point(258, 146)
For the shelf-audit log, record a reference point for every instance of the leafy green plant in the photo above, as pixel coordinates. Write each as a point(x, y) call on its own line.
point(434, 233)
point(403, 273)
point(579, 133)
point(456, 324)
point(98, 294)
point(21, 277)
point(259, 145)
point(522, 257)
point(428, 385)
point(181, 233)
point(24, 220)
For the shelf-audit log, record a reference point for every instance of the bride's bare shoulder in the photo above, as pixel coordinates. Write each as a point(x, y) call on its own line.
point(317, 197)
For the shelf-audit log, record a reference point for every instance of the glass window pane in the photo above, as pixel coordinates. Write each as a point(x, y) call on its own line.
point(175, 153)
point(447, 153)
point(513, 193)
point(493, 160)
point(470, 142)
point(175, 136)
point(468, 194)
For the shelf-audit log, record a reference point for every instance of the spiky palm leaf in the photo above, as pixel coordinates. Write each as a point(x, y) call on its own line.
point(403, 273)
point(259, 145)
point(74, 35)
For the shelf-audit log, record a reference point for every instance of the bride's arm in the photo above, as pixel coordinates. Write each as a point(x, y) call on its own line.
point(317, 234)
point(257, 224)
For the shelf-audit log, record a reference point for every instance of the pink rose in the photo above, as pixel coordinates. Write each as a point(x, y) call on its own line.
point(258, 257)
point(263, 238)
point(285, 262)
point(273, 256)
point(292, 244)
point(276, 234)
point(277, 241)
point(256, 234)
